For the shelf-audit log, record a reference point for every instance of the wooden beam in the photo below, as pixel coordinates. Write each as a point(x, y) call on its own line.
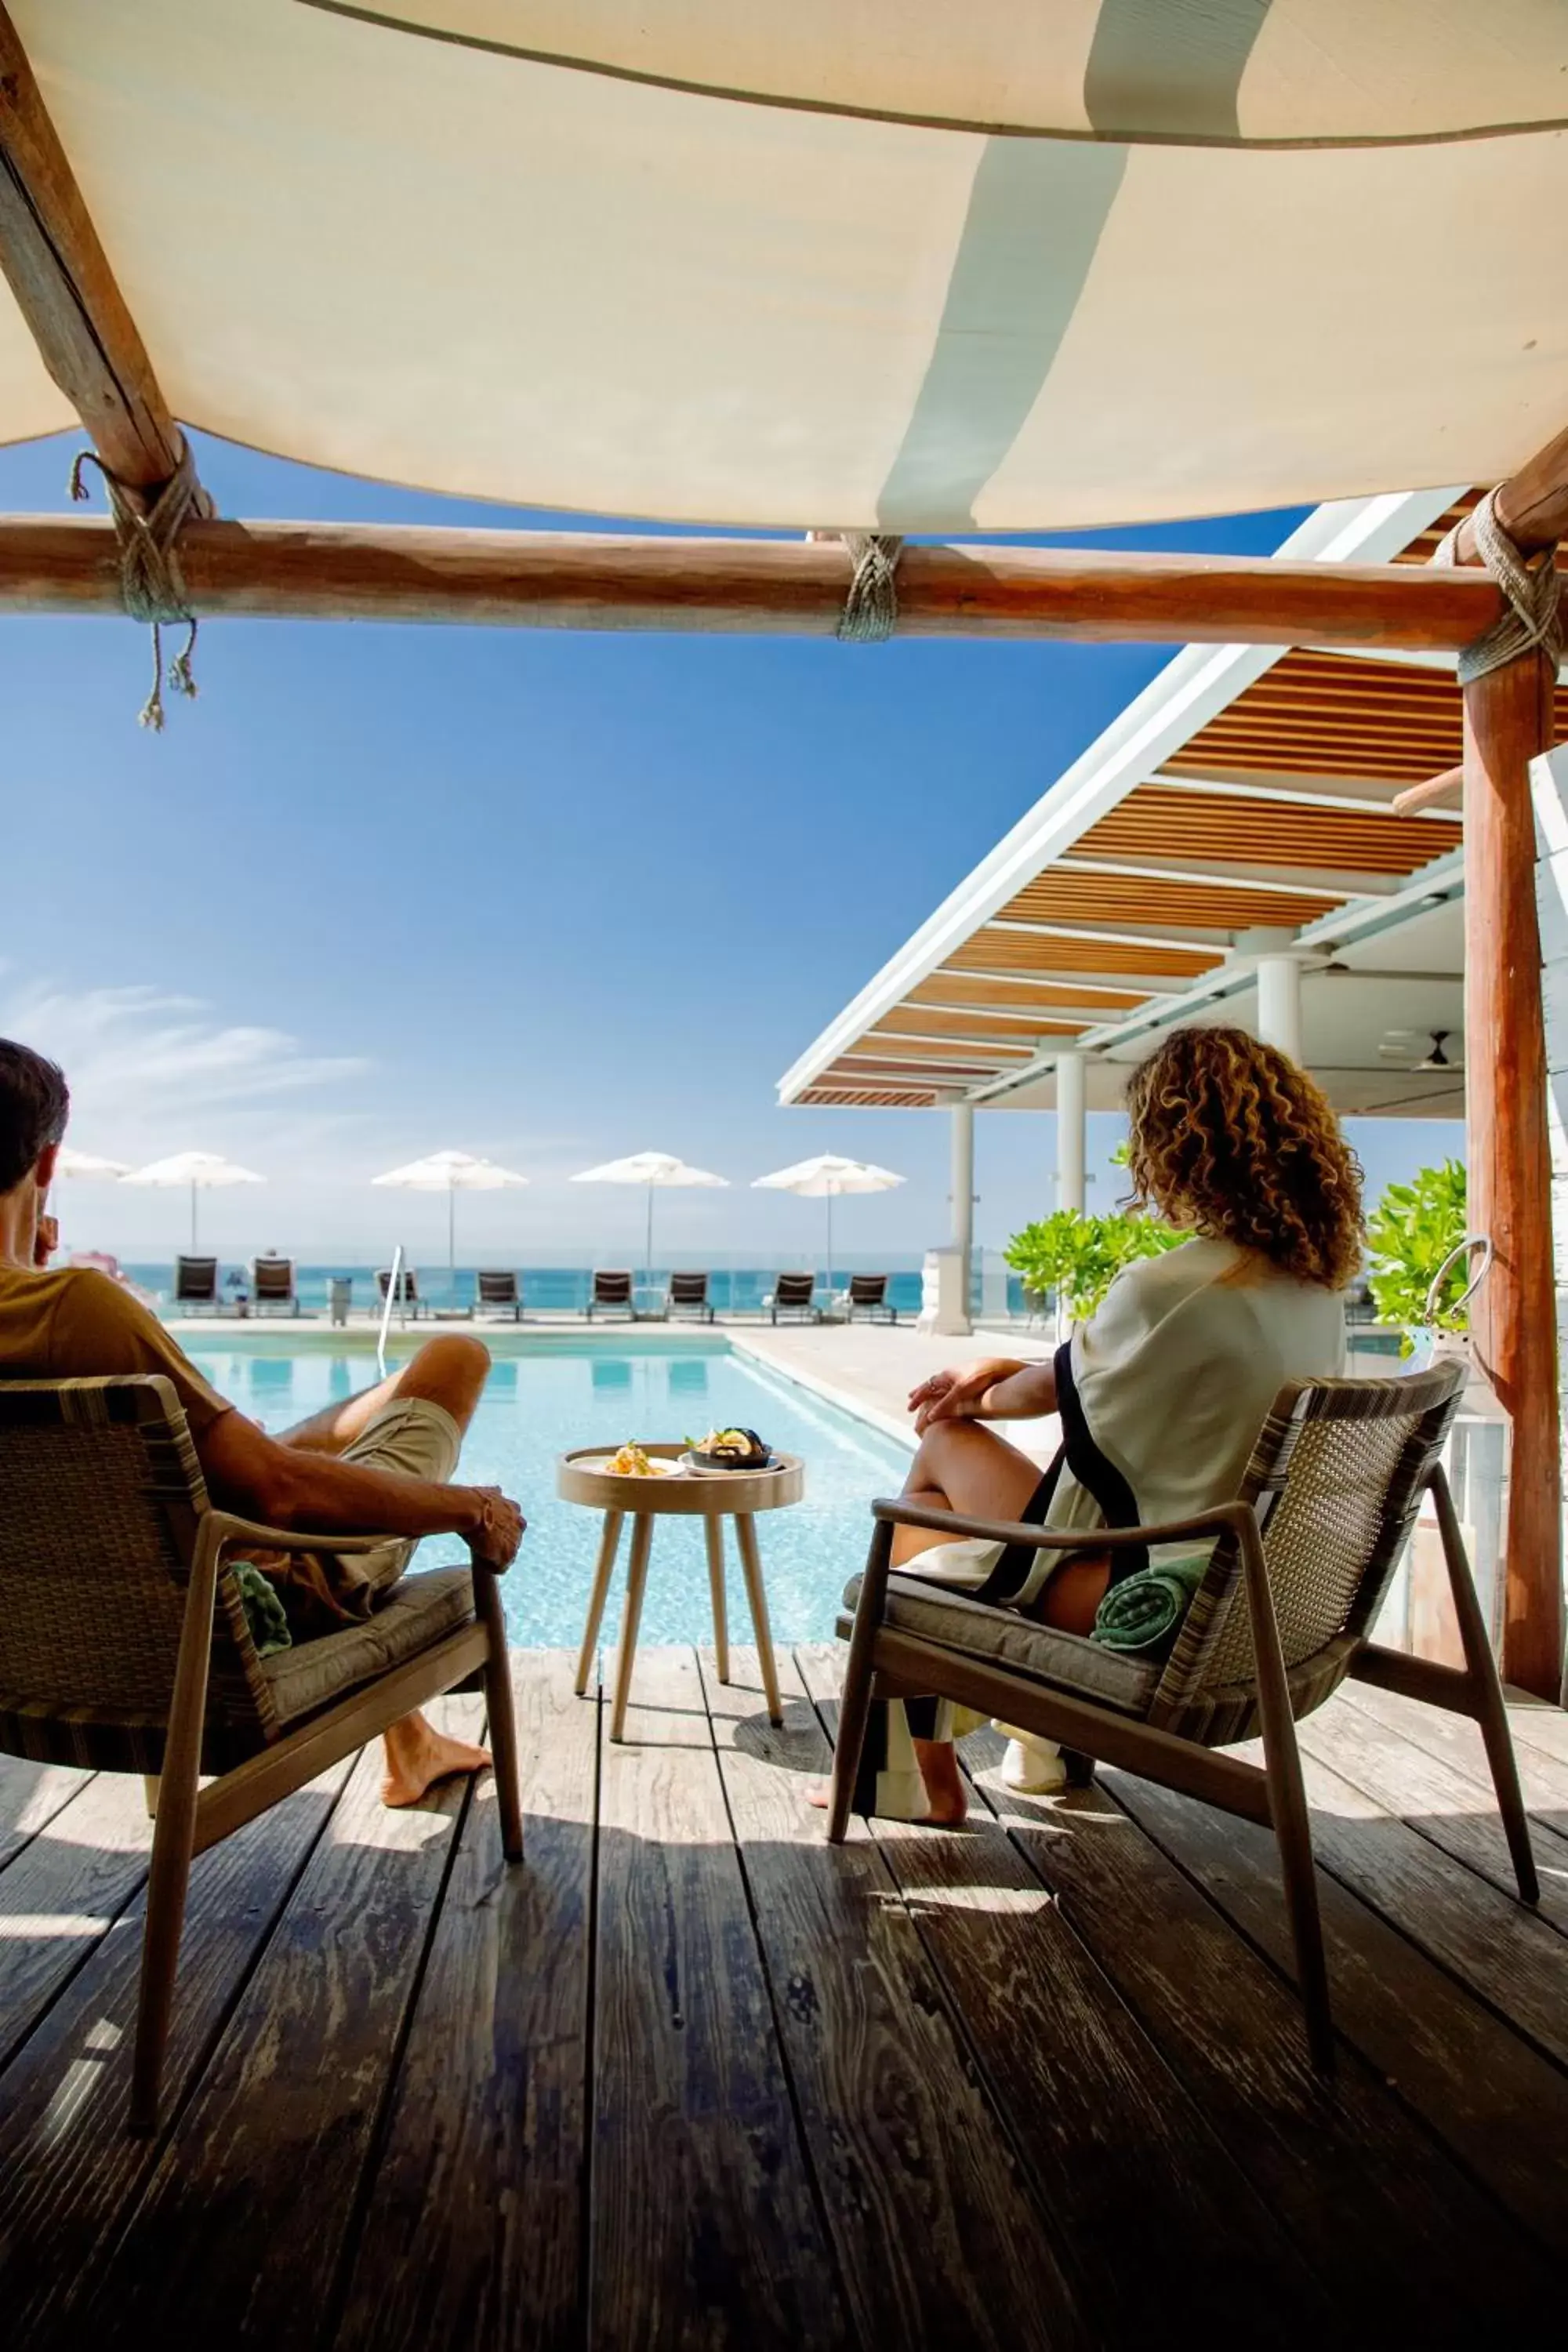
point(301, 571)
point(1532, 504)
point(65, 290)
point(1417, 799)
point(1508, 720)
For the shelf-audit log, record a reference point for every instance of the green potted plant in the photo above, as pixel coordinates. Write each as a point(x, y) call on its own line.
point(1076, 1258)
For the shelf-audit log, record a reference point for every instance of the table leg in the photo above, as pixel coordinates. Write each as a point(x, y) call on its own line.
point(713, 1528)
point(603, 1569)
point(751, 1563)
point(636, 1577)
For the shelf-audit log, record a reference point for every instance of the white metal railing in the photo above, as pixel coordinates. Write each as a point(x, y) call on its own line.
point(392, 1299)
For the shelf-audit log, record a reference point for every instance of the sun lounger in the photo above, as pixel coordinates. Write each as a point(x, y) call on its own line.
point(688, 1295)
point(499, 1293)
point(610, 1294)
point(867, 1296)
point(407, 1301)
point(793, 1293)
point(272, 1289)
point(127, 1647)
point(196, 1285)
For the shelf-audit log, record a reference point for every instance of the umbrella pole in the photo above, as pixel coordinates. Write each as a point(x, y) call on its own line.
point(648, 1253)
point(192, 1217)
point(830, 1249)
point(451, 1229)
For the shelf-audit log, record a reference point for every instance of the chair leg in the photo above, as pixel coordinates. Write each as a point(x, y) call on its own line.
point(502, 1715)
point(713, 1529)
point(855, 1701)
point(1486, 1690)
point(173, 1839)
point(603, 1569)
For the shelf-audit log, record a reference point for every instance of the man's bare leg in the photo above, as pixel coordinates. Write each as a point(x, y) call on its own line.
point(450, 1372)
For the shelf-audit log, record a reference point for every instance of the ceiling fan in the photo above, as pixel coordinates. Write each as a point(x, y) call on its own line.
point(1398, 1044)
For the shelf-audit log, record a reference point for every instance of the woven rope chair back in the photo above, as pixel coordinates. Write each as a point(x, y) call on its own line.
point(1336, 1478)
point(100, 1495)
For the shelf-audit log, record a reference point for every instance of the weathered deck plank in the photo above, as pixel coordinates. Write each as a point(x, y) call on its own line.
point(939, 2239)
point(1543, 1777)
point(1371, 2202)
point(63, 1891)
point(1439, 1799)
point(1100, 2119)
point(30, 1797)
point(705, 2229)
point(246, 2216)
point(68, 2169)
point(1480, 2088)
point(473, 2233)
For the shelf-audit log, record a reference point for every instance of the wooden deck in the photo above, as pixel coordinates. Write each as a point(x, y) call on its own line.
point(688, 2078)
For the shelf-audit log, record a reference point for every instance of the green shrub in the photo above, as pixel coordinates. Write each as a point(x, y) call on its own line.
point(1078, 1257)
point(1408, 1236)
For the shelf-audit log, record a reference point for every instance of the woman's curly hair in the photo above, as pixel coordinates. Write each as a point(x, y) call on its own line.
point(1231, 1139)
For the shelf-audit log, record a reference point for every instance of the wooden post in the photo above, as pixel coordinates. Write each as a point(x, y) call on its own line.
point(1508, 720)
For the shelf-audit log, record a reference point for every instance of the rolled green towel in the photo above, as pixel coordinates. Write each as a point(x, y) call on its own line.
point(1145, 1610)
point(263, 1610)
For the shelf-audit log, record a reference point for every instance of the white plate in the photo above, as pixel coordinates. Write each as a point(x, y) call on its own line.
point(657, 1469)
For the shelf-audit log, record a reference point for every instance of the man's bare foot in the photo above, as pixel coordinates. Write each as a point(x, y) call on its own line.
point(417, 1756)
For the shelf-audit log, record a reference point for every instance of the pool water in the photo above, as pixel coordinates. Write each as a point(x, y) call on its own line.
point(598, 1391)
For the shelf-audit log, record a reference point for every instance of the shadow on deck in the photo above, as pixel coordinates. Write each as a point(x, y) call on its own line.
point(691, 2078)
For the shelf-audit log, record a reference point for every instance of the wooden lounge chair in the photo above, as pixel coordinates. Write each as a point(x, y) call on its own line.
point(688, 1295)
point(124, 1647)
point(1302, 1560)
point(867, 1296)
point(499, 1293)
point(793, 1293)
point(407, 1301)
point(196, 1285)
point(610, 1294)
point(272, 1287)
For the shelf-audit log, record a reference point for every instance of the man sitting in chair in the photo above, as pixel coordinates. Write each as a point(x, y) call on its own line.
point(379, 1462)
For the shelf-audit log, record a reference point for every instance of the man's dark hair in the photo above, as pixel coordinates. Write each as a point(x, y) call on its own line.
point(35, 1103)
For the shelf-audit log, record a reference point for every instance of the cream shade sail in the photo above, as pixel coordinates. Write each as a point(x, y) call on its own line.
point(794, 290)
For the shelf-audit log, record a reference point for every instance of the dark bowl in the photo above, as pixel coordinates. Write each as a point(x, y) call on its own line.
point(764, 1458)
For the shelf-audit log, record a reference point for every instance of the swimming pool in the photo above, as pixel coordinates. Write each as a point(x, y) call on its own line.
point(544, 1399)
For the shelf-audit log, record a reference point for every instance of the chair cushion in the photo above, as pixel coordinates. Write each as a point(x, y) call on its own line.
point(1066, 1660)
point(417, 1612)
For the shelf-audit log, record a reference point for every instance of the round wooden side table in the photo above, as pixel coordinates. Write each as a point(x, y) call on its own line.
point(712, 1496)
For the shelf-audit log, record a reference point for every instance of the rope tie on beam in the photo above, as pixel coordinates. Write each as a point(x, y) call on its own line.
point(147, 526)
point(1532, 620)
point(871, 605)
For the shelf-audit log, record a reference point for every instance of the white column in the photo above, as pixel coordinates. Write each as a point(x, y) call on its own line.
point(1071, 1132)
point(1279, 1003)
point(963, 1198)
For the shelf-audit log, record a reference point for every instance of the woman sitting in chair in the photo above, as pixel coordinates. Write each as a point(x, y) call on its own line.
point(1161, 1394)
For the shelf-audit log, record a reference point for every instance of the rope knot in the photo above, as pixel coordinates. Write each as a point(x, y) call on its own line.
point(1533, 621)
point(871, 605)
point(147, 526)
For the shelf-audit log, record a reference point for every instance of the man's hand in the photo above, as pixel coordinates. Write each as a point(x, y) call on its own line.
point(494, 1539)
point(957, 1396)
point(45, 1239)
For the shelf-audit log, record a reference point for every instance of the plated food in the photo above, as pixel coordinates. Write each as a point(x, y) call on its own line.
point(631, 1461)
point(730, 1449)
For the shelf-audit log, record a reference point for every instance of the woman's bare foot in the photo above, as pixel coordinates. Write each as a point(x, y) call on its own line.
point(417, 1756)
point(947, 1800)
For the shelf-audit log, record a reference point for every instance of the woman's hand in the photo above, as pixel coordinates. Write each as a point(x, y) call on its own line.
point(957, 1395)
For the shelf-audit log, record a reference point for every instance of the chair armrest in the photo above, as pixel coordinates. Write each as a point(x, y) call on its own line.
point(229, 1529)
point(1225, 1518)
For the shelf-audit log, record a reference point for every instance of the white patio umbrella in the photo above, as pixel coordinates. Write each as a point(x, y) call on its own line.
point(656, 1169)
point(201, 1172)
point(87, 1165)
point(825, 1178)
point(451, 1173)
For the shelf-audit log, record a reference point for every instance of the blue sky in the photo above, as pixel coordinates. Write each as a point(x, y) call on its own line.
point(550, 897)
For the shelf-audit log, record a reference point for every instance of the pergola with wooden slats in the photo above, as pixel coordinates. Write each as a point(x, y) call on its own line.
point(771, 269)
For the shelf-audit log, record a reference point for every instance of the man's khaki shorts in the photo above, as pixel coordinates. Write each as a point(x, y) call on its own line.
point(415, 1438)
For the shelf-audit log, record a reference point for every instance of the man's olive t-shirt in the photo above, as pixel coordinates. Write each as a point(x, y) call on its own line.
point(76, 1324)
